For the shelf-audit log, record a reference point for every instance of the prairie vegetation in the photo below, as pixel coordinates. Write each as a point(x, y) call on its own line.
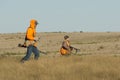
point(98, 60)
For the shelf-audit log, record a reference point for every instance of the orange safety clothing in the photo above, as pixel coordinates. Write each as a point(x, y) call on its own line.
point(64, 51)
point(31, 33)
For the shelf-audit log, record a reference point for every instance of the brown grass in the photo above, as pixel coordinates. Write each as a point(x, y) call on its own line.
point(98, 60)
point(61, 68)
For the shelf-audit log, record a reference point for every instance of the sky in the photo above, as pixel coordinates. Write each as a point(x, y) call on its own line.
point(60, 15)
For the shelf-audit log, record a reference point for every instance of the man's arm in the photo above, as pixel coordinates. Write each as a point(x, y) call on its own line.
point(66, 46)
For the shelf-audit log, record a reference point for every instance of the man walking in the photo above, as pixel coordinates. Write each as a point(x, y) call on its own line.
point(31, 41)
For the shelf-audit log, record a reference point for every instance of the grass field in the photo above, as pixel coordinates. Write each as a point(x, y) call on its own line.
point(98, 60)
point(61, 68)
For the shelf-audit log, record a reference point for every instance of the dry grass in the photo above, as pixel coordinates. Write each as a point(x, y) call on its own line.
point(98, 60)
point(61, 68)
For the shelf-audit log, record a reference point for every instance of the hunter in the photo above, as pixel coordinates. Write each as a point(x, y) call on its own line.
point(31, 41)
point(66, 48)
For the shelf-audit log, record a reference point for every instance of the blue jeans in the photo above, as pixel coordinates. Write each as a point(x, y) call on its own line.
point(31, 49)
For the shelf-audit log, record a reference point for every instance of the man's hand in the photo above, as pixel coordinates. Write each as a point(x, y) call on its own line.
point(36, 39)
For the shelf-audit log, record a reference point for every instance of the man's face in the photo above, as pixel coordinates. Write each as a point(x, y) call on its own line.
point(68, 39)
point(36, 23)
